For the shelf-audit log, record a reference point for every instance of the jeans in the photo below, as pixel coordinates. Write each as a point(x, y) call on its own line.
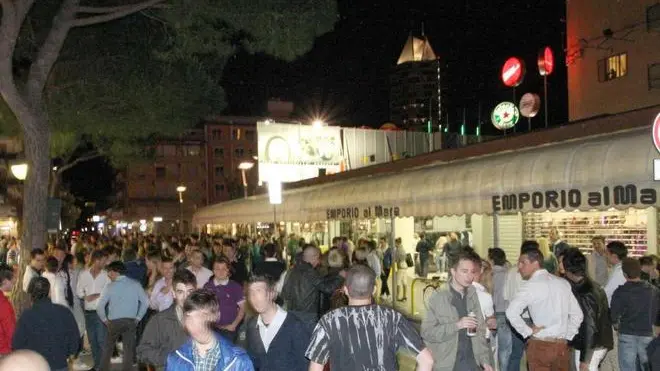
point(96, 334)
point(423, 265)
point(632, 352)
point(126, 328)
point(596, 357)
point(503, 341)
point(517, 348)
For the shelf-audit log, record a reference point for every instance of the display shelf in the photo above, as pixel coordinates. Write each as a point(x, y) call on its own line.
point(578, 228)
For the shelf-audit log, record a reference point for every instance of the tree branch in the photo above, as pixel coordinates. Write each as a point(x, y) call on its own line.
point(77, 161)
point(49, 52)
point(116, 13)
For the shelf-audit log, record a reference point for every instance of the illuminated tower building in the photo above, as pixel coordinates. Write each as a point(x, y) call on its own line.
point(415, 99)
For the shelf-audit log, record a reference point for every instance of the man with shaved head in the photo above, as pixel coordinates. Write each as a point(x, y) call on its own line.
point(24, 360)
point(303, 286)
point(364, 335)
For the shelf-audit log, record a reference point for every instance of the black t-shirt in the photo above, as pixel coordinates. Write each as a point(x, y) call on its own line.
point(362, 338)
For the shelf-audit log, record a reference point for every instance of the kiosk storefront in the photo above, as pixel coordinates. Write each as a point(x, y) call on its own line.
point(601, 184)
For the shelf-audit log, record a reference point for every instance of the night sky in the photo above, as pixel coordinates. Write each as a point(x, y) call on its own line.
point(346, 75)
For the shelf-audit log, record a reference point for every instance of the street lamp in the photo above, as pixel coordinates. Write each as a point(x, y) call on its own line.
point(181, 189)
point(243, 167)
point(318, 123)
point(19, 170)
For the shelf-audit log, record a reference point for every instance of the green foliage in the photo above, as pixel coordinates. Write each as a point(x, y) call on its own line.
point(157, 72)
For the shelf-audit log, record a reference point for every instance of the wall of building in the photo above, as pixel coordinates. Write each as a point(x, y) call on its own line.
point(590, 92)
point(151, 185)
point(230, 141)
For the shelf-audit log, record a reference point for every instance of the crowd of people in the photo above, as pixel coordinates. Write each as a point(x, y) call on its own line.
point(205, 303)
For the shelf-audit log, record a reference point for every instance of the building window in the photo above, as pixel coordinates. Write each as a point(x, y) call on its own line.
point(219, 152)
point(216, 134)
point(249, 135)
point(613, 67)
point(191, 150)
point(160, 172)
point(236, 134)
point(219, 188)
point(219, 171)
point(239, 152)
point(654, 76)
point(653, 17)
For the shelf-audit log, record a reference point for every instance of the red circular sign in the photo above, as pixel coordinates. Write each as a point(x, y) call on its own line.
point(546, 61)
point(513, 72)
point(656, 132)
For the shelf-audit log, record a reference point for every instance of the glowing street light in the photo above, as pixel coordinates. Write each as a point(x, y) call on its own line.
point(318, 123)
point(19, 170)
point(244, 167)
point(181, 188)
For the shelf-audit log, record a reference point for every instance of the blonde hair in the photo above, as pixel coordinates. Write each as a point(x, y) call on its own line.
point(544, 246)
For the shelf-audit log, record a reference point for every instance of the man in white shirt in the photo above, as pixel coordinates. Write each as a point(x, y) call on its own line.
point(554, 310)
point(272, 320)
point(90, 285)
point(162, 295)
point(57, 283)
point(202, 274)
point(37, 261)
point(616, 252)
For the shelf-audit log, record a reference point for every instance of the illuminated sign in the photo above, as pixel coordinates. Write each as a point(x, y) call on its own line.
point(377, 211)
point(513, 72)
point(575, 198)
point(292, 152)
point(546, 61)
point(530, 104)
point(656, 132)
point(505, 116)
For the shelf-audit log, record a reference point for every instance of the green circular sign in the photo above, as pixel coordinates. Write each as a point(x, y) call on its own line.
point(505, 116)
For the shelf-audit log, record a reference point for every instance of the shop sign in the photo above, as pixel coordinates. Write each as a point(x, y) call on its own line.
point(620, 195)
point(376, 211)
point(505, 116)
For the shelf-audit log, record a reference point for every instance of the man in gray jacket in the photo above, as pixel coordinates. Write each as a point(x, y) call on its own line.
point(164, 332)
point(454, 325)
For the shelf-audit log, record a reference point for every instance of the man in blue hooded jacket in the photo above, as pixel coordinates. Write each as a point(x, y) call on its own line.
point(206, 350)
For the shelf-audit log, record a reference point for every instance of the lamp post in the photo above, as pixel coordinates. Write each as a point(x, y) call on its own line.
point(181, 189)
point(244, 167)
point(19, 170)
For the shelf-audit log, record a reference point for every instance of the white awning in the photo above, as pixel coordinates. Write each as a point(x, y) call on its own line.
point(468, 186)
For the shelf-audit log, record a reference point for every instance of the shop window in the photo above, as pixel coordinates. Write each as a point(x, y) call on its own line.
point(218, 152)
point(239, 152)
point(236, 134)
point(249, 135)
point(654, 76)
point(219, 171)
point(160, 172)
point(653, 17)
point(216, 134)
point(613, 67)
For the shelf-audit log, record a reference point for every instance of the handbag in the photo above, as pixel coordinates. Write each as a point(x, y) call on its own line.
point(409, 260)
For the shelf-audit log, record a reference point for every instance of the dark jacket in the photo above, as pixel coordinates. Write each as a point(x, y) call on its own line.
point(137, 270)
point(162, 335)
point(286, 351)
point(272, 269)
point(596, 328)
point(635, 307)
point(333, 282)
point(302, 288)
point(232, 358)
point(50, 330)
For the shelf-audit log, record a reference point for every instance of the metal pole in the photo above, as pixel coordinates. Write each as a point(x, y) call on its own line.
point(180, 213)
point(545, 96)
point(245, 185)
point(529, 124)
point(395, 264)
